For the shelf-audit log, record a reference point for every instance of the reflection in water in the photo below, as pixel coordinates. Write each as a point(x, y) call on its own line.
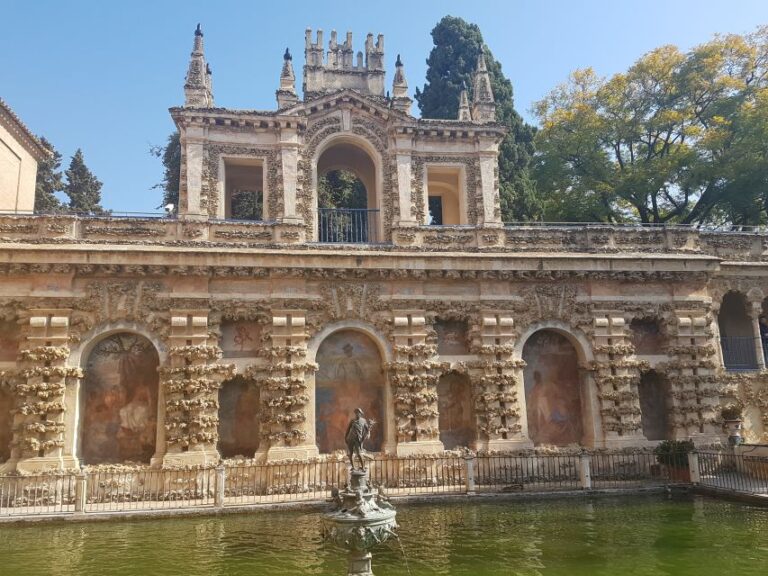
point(643, 536)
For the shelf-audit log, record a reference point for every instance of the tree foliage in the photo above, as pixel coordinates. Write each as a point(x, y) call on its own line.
point(341, 189)
point(170, 155)
point(49, 181)
point(457, 45)
point(247, 205)
point(679, 137)
point(82, 188)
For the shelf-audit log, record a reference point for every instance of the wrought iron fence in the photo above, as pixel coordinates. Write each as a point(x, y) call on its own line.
point(37, 495)
point(348, 225)
point(532, 473)
point(729, 471)
point(613, 471)
point(738, 352)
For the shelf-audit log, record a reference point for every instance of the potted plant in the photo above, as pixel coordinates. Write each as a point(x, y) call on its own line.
point(732, 422)
point(673, 456)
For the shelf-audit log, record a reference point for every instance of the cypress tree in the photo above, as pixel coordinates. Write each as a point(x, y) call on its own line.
point(49, 181)
point(457, 44)
point(170, 155)
point(82, 187)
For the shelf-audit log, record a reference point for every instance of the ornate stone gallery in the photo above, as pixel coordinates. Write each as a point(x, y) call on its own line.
point(250, 323)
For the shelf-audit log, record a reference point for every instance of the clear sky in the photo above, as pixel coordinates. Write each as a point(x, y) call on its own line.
point(101, 75)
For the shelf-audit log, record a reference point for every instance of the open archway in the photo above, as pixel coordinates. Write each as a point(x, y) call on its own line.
point(350, 375)
point(553, 398)
point(348, 191)
point(737, 337)
point(119, 400)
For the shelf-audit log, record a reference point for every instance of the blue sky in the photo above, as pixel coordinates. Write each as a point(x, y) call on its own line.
point(102, 75)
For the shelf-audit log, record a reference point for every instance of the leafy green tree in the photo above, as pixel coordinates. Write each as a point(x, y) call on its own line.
point(457, 45)
point(246, 205)
point(82, 187)
point(341, 189)
point(679, 137)
point(49, 181)
point(170, 155)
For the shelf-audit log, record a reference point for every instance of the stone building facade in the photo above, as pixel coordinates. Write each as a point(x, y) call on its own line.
point(187, 339)
point(20, 151)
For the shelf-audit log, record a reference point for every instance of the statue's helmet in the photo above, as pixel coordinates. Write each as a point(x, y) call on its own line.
point(359, 411)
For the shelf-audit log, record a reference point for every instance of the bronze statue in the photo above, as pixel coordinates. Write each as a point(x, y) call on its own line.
point(358, 431)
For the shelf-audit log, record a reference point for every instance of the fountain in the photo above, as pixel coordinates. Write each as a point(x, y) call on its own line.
point(361, 517)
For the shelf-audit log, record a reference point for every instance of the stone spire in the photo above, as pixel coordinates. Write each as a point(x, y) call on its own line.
point(286, 95)
point(198, 91)
point(483, 104)
point(400, 100)
point(464, 114)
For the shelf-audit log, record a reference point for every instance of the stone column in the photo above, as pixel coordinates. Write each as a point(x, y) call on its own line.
point(193, 139)
point(414, 376)
point(403, 157)
point(46, 393)
point(190, 384)
point(489, 210)
point(616, 376)
point(497, 383)
point(287, 400)
point(755, 311)
point(289, 156)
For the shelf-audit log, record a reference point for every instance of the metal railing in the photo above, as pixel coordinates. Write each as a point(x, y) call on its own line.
point(744, 472)
point(348, 225)
point(249, 484)
point(720, 228)
point(739, 352)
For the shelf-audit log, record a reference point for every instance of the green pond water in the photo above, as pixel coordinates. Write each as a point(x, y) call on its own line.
point(649, 535)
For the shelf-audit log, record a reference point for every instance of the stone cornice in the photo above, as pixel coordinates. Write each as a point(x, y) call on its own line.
point(20, 131)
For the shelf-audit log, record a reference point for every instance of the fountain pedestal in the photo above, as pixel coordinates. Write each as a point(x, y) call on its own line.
point(360, 519)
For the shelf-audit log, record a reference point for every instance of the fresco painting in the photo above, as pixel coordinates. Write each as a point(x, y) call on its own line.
point(552, 390)
point(646, 336)
point(350, 376)
point(6, 424)
point(120, 401)
point(451, 337)
point(653, 405)
point(238, 418)
point(454, 399)
point(9, 341)
point(240, 339)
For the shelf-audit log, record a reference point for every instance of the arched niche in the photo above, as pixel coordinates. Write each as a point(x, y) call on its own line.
point(555, 405)
point(350, 375)
point(355, 155)
point(737, 337)
point(119, 400)
point(653, 390)
point(456, 417)
point(239, 430)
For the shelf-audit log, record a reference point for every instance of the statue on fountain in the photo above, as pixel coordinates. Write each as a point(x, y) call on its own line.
point(358, 431)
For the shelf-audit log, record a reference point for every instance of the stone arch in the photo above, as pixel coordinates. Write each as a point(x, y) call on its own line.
point(558, 397)
point(653, 391)
point(118, 419)
point(351, 360)
point(355, 153)
point(737, 335)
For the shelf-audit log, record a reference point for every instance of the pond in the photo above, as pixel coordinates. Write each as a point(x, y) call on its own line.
point(643, 535)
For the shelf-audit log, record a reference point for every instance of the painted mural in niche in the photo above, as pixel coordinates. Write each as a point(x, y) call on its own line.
point(6, 424)
point(9, 341)
point(120, 401)
point(552, 390)
point(653, 391)
point(454, 403)
point(754, 430)
point(646, 336)
point(349, 376)
point(240, 339)
point(238, 418)
point(451, 337)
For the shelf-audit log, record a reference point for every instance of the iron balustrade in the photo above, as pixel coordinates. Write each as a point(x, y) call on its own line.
point(348, 225)
point(739, 352)
point(745, 473)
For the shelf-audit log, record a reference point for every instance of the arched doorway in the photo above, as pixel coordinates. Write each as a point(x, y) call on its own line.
point(456, 417)
point(552, 390)
point(653, 391)
point(737, 337)
point(119, 402)
point(350, 375)
point(239, 433)
point(348, 198)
